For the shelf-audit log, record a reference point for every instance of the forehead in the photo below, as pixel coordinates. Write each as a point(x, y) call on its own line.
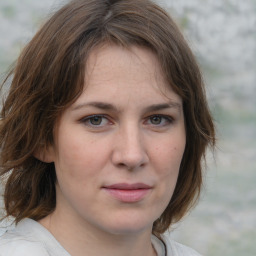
point(112, 67)
point(110, 54)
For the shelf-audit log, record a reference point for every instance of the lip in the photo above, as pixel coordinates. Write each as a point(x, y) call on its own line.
point(128, 193)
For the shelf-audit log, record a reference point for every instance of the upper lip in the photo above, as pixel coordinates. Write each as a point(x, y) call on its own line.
point(126, 186)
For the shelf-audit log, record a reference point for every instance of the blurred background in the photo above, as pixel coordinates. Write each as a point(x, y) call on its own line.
point(222, 34)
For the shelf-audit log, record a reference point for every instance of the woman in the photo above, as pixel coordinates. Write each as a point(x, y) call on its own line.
point(102, 133)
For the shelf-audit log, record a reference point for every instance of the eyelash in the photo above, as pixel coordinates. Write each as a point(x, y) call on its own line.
point(167, 120)
point(87, 120)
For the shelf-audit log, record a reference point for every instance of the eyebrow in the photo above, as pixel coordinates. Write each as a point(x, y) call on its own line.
point(96, 104)
point(156, 107)
point(110, 107)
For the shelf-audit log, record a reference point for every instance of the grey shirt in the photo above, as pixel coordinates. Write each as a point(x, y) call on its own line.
point(29, 238)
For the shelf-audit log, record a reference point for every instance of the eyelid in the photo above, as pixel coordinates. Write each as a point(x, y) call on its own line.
point(168, 118)
point(85, 120)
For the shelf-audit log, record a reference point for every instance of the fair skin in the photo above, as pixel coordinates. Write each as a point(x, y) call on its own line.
point(117, 154)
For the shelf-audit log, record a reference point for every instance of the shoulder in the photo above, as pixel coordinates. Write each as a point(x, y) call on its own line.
point(18, 242)
point(176, 249)
point(30, 238)
point(16, 245)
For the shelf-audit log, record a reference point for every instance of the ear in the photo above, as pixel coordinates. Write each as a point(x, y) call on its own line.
point(45, 154)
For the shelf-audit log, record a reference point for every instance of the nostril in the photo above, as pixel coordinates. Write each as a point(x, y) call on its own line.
point(130, 163)
point(128, 150)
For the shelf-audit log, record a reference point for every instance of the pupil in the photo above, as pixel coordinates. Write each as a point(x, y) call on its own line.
point(96, 120)
point(156, 120)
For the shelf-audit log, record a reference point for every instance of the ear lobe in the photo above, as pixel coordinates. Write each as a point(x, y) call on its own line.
point(44, 154)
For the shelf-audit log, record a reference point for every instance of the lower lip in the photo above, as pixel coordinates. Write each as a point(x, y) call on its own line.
point(128, 195)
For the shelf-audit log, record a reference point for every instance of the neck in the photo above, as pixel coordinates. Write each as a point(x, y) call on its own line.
point(80, 240)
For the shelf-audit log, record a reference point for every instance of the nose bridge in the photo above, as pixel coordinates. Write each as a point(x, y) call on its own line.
point(129, 148)
point(132, 138)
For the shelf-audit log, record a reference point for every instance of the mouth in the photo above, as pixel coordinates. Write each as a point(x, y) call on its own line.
point(128, 193)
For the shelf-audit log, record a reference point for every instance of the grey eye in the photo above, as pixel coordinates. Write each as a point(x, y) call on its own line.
point(156, 119)
point(95, 120)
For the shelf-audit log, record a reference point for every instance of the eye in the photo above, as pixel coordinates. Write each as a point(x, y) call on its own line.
point(160, 120)
point(156, 120)
point(95, 121)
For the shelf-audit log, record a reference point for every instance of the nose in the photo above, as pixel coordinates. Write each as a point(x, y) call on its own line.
point(129, 150)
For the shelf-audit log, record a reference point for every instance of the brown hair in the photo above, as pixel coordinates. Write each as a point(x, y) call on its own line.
point(49, 77)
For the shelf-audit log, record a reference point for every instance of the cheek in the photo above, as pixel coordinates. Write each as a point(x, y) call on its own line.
point(78, 157)
point(166, 166)
point(169, 155)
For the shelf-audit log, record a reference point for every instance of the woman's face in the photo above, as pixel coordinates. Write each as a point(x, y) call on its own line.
point(118, 148)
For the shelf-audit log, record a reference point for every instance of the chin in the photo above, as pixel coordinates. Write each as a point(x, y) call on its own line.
point(129, 226)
